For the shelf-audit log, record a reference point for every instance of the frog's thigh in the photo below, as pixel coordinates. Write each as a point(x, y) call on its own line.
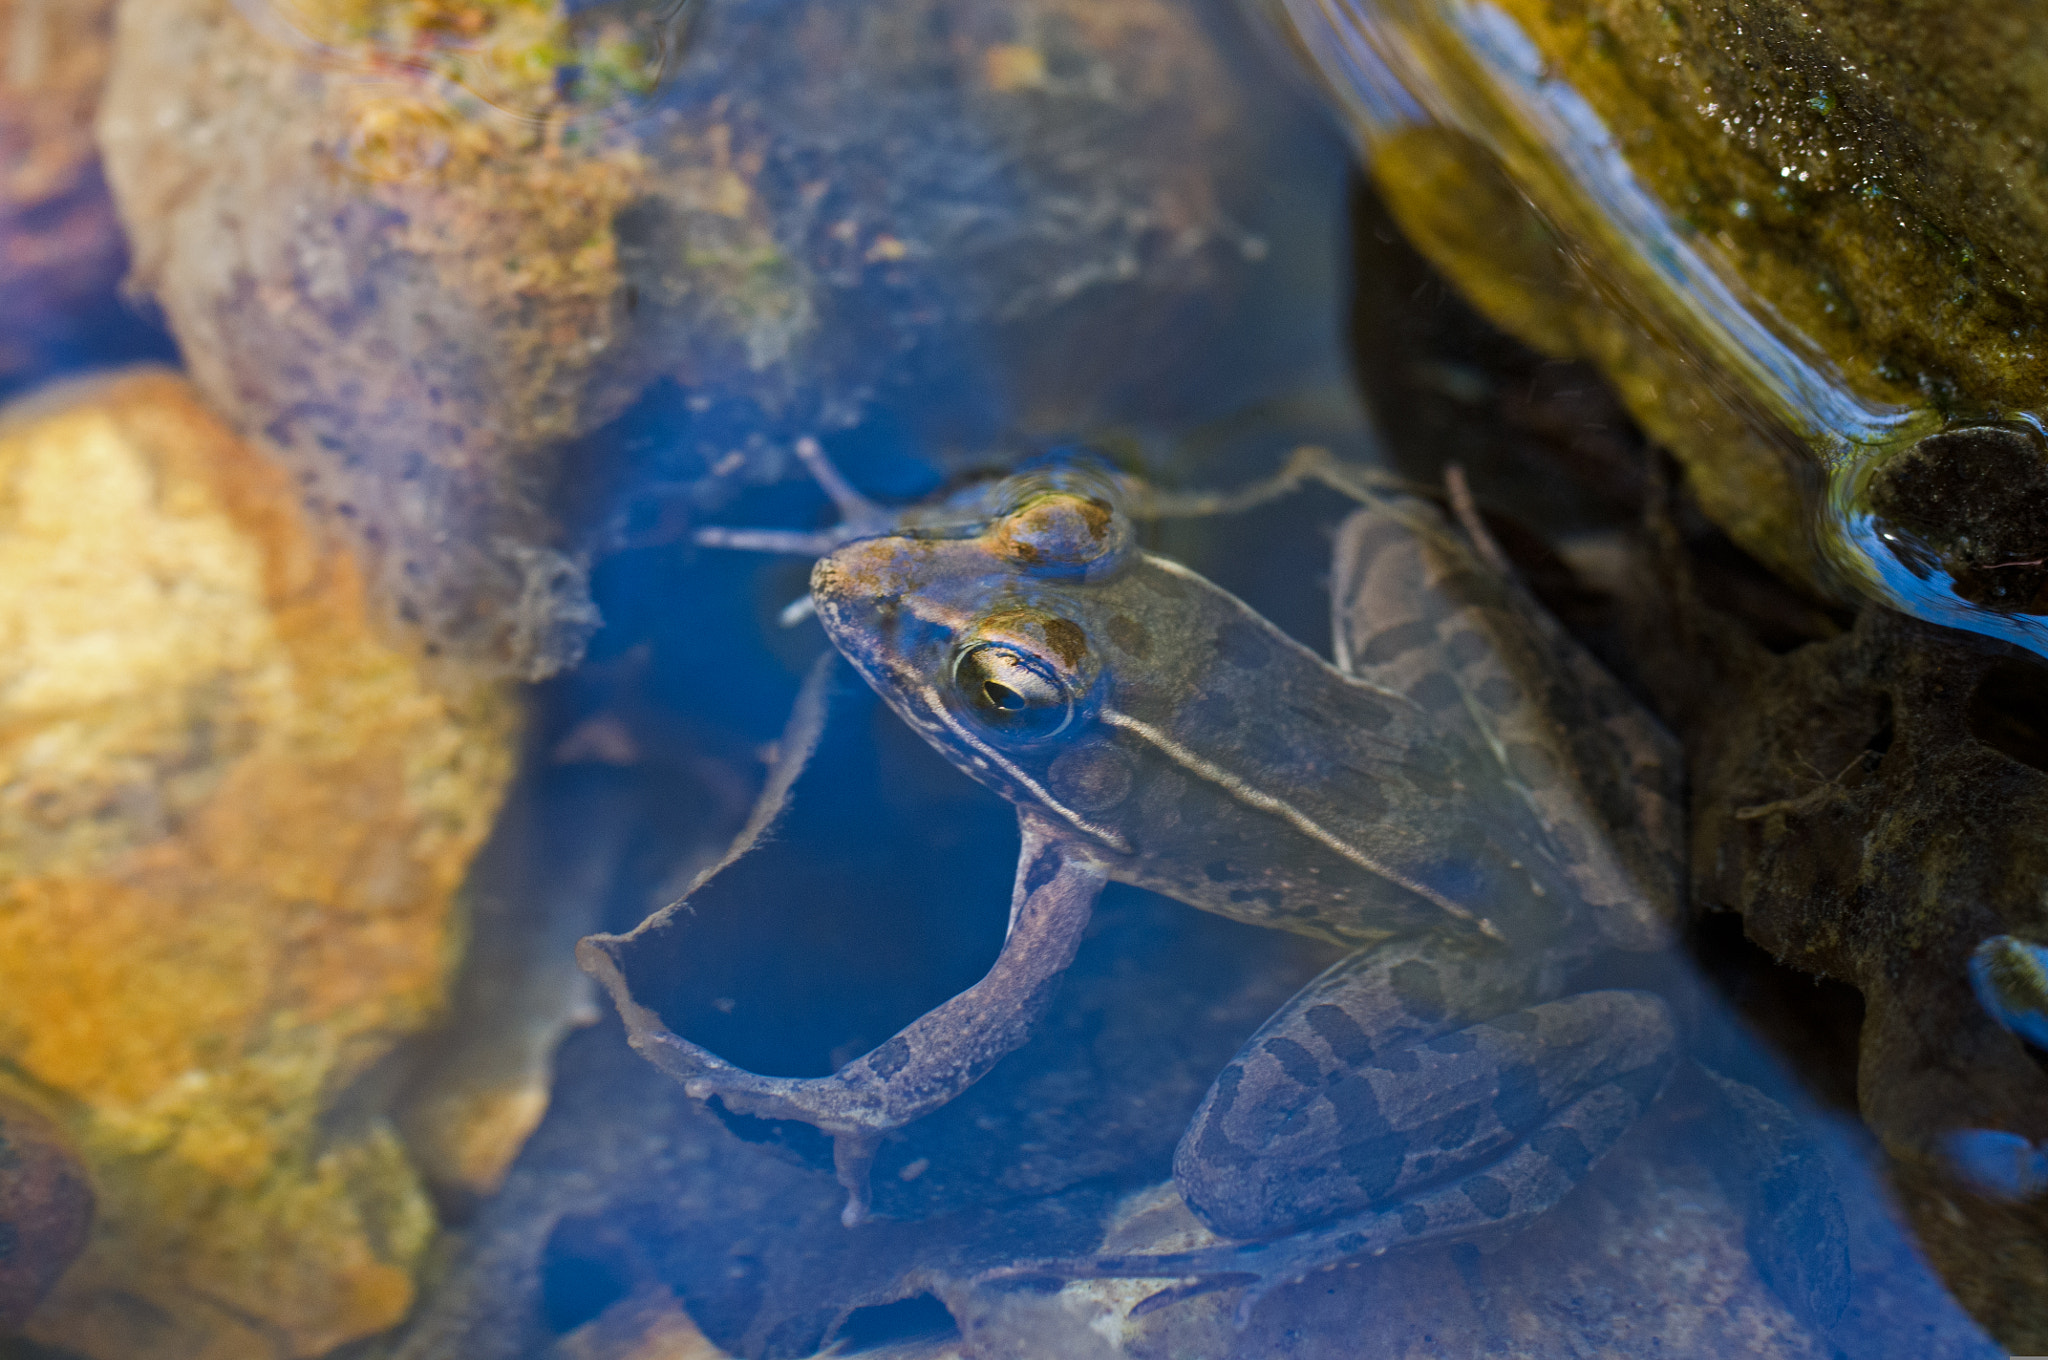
point(1374, 1089)
point(1415, 611)
point(1400, 584)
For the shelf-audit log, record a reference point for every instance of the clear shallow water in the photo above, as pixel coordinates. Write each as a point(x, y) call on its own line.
point(882, 892)
point(1035, 1157)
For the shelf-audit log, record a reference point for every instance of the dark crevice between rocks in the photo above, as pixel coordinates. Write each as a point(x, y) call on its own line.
point(1880, 742)
point(1812, 1024)
point(2009, 712)
point(1972, 504)
point(921, 1317)
point(585, 1268)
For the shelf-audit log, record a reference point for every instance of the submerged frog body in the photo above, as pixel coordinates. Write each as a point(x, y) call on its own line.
point(1465, 799)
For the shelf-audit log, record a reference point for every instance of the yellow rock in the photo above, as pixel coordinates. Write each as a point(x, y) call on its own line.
point(650, 1325)
point(233, 817)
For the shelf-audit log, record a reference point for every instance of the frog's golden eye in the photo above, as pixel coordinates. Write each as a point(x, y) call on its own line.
point(1012, 691)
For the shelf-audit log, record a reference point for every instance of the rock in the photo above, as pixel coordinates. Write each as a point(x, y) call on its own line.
point(45, 1210)
point(422, 303)
point(542, 881)
point(651, 1325)
point(61, 252)
point(1800, 239)
point(1873, 805)
point(233, 816)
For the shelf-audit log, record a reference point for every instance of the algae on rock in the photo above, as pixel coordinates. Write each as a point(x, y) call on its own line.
point(233, 816)
point(1799, 238)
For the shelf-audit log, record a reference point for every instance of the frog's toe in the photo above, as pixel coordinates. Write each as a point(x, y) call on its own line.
point(2010, 977)
point(1191, 1289)
point(1252, 1267)
point(1996, 1164)
point(1255, 1269)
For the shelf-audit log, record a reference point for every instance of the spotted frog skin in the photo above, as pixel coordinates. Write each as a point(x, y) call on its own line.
point(1464, 799)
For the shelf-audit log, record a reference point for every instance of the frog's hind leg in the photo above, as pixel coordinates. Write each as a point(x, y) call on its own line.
point(1409, 1095)
point(1400, 1070)
point(1507, 1194)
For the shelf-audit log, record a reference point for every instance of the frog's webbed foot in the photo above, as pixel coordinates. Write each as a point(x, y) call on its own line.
point(859, 517)
point(1199, 1272)
point(927, 1063)
point(1307, 464)
point(1254, 1268)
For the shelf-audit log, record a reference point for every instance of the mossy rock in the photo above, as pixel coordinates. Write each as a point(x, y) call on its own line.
point(1798, 239)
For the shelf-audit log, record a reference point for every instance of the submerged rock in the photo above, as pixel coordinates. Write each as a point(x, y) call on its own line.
point(1873, 804)
point(553, 864)
point(420, 250)
point(233, 815)
point(1648, 1258)
point(1802, 240)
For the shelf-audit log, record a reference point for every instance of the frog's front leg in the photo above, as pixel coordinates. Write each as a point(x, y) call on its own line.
point(1416, 1092)
point(934, 1058)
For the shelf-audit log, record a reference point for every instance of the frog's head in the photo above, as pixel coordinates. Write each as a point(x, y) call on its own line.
point(996, 644)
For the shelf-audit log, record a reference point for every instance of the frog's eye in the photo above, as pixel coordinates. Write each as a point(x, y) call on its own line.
point(1012, 691)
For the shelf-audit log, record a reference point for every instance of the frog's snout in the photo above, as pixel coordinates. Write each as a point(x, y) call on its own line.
point(825, 579)
point(863, 568)
point(843, 583)
point(854, 586)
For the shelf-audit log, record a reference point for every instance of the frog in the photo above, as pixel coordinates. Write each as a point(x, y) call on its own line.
point(1461, 798)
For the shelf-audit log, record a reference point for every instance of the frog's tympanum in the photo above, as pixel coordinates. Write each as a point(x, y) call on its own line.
point(1465, 799)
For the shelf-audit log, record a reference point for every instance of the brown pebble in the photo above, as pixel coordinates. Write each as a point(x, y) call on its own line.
point(45, 1211)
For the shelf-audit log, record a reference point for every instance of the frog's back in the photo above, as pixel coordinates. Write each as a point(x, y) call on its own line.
point(1272, 789)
